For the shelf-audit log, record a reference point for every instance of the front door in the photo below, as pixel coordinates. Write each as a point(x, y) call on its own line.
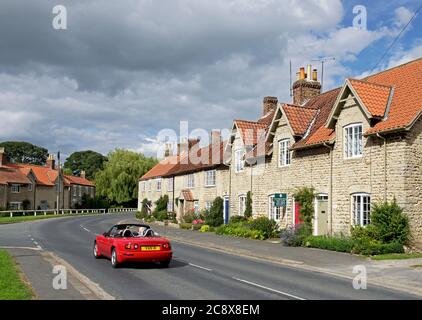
point(226, 210)
point(322, 215)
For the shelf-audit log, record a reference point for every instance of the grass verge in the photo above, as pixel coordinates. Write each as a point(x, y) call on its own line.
point(12, 286)
point(397, 256)
point(5, 220)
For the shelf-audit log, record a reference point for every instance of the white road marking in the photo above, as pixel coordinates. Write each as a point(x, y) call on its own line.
point(269, 289)
point(26, 248)
point(200, 267)
point(87, 230)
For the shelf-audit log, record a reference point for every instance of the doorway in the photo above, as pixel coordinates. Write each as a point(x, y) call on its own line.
point(321, 215)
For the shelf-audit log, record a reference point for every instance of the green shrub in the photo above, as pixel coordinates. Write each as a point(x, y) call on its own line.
point(240, 230)
point(235, 219)
point(215, 218)
point(144, 209)
point(141, 215)
point(204, 228)
point(266, 226)
point(374, 247)
point(161, 204)
point(305, 196)
point(341, 244)
point(294, 236)
point(197, 226)
point(248, 209)
point(160, 215)
point(187, 226)
point(390, 223)
point(189, 216)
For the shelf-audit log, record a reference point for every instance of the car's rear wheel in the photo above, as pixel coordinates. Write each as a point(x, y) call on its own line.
point(97, 255)
point(114, 262)
point(165, 264)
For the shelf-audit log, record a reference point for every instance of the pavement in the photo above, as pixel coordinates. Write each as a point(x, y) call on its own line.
point(197, 271)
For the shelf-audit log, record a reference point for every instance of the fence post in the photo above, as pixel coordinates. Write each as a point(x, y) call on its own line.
point(11, 214)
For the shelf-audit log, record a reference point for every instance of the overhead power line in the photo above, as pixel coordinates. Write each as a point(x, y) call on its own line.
point(397, 38)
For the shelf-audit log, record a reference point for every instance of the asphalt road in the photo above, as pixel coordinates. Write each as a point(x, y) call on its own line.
point(195, 273)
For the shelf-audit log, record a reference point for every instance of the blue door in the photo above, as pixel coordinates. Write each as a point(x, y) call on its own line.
point(226, 210)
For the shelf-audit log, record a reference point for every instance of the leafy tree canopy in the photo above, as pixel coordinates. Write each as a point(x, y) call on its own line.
point(118, 181)
point(89, 161)
point(24, 152)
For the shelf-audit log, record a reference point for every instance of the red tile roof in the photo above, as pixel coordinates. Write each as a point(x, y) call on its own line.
point(187, 195)
point(374, 96)
point(46, 176)
point(162, 168)
point(197, 159)
point(78, 180)
point(250, 130)
point(299, 117)
point(11, 175)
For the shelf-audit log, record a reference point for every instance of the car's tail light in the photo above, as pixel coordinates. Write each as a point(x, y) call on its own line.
point(135, 246)
point(128, 246)
point(166, 246)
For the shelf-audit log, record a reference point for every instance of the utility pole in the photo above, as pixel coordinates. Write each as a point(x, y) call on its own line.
point(323, 60)
point(58, 181)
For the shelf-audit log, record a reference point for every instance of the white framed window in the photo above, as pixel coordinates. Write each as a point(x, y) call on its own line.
point(284, 156)
point(170, 206)
point(208, 205)
point(158, 181)
point(170, 184)
point(361, 209)
point(210, 178)
point(149, 185)
point(242, 205)
point(30, 187)
point(15, 205)
point(15, 188)
point(353, 141)
point(75, 191)
point(196, 207)
point(190, 181)
point(239, 162)
point(274, 213)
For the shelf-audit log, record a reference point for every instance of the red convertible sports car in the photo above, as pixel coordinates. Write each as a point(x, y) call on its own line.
point(132, 242)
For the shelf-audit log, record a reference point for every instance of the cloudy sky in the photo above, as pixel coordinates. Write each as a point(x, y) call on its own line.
point(124, 70)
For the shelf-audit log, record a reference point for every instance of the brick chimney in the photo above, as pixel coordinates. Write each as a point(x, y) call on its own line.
point(215, 136)
point(306, 86)
point(269, 104)
point(50, 163)
point(184, 146)
point(82, 174)
point(2, 157)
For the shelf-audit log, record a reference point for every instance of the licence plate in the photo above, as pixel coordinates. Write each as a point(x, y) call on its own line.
point(150, 248)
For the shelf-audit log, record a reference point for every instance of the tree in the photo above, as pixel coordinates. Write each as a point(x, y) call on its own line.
point(24, 152)
point(215, 218)
point(118, 181)
point(89, 161)
point(248, 210)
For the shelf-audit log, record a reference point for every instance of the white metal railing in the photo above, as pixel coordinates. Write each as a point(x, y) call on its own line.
point(22, 213)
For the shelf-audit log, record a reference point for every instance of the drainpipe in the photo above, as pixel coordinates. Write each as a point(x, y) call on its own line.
point(385, 165)
point(330, 196)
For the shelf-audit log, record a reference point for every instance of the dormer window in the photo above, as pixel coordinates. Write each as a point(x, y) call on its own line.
point(353, 141)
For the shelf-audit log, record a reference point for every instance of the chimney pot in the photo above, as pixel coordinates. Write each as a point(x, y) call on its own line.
point(309, 73)
point(304, 89)
point(302, 73)
point(315, 75)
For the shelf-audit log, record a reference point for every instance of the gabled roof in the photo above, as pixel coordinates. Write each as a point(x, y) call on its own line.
point(186, 194)
point(12, 175)
point(249, 130)
point(44, 175)
point(299, 117)
point(375, 97)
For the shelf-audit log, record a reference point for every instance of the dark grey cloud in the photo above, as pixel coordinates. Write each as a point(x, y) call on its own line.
point(126, 69)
